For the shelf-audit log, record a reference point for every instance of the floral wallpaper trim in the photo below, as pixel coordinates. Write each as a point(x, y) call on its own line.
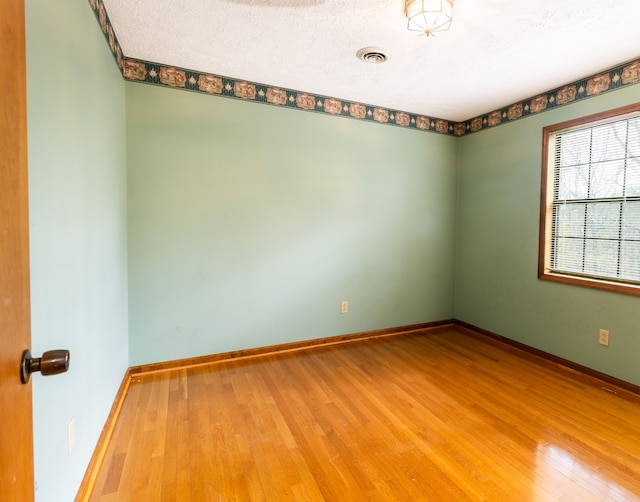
point(615, 78)
point(180, 78)
point(107, 29)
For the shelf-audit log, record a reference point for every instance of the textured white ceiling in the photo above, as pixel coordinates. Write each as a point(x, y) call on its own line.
point(497, 52)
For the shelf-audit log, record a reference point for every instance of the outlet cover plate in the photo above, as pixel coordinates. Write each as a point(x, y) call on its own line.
point(604, 337)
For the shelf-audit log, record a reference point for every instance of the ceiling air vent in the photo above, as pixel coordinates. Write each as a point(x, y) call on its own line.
point(374, 55)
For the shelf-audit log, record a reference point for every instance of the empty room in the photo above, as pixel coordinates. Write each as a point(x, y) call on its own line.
point(320, 250)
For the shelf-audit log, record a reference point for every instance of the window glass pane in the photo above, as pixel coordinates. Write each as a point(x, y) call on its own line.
point(607, 179)
point(573, 182)
point(568, 255)
point(633, 147)
point(570, 220)
point(631, 221)
point(601, 258)
point(632, 188)
point(574, 148)
point(609, 142)
point(603, 220)
point(630, 260)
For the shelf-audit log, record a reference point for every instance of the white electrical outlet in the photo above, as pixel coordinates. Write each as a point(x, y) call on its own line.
point(604, 337)
point(71, 434)
point(344, 307)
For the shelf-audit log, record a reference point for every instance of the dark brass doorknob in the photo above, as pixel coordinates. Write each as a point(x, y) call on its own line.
point(52, 362)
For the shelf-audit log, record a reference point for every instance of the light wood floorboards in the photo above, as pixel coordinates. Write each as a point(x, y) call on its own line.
point(440, 415)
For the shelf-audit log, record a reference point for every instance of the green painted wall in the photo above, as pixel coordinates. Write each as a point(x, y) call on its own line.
point(77, 177)
point(249, 224)
point(496, 286)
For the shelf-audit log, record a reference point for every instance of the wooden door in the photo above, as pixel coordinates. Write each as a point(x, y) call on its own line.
point(16, 432)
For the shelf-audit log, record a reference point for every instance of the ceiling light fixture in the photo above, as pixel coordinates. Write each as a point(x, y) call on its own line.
point(428, 16)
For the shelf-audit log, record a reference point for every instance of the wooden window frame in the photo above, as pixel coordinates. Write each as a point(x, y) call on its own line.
point(546, 199)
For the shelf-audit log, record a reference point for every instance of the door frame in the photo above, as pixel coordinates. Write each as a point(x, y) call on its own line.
point(16, 411)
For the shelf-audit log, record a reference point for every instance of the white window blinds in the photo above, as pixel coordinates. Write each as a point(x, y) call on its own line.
point(596, 201)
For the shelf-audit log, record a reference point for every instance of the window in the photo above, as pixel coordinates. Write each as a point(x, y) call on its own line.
point(590, 202)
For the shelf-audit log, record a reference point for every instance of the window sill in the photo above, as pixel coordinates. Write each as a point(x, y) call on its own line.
point(615, 287)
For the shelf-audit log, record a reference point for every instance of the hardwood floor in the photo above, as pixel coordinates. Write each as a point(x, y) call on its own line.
point(439, 415)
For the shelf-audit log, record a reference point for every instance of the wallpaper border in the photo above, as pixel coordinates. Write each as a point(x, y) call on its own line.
point(623, 75)
point(161, 74)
